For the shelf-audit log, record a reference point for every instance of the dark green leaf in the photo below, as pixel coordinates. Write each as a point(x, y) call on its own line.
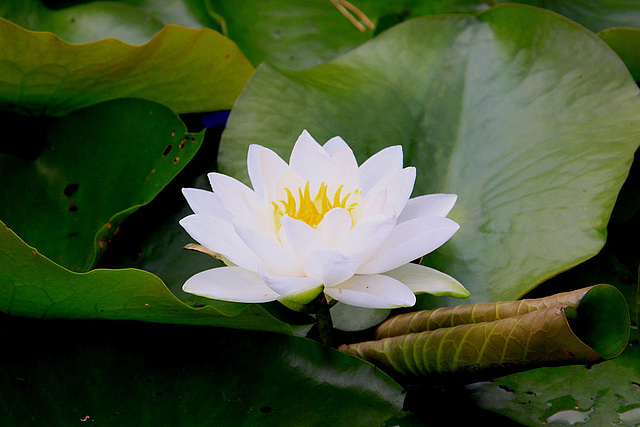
point(131, 374)
point(596, 15)
point(626, 43)
point(33, 286)
point(604, 394)
point(98, 165)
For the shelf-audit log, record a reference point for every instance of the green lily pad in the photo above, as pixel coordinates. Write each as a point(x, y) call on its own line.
point(603, 394)
point(84, 23)
point(185, 69)
point(596, 15)
point(296, 35)
point(132, 374)
point(528, 117)
point(287, 33)
point(97, 166)
point(33, 286)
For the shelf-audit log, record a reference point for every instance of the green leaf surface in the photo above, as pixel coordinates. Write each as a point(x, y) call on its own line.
point(185, 69)
point(84, 23)
point(67, 373)
point(97, 166)
point(287, 33)
point(528, 117)
point(596, 15)
point(581, 327)
point(295, 35)
point(626, 43)
point(599, 395)
point(33, 286)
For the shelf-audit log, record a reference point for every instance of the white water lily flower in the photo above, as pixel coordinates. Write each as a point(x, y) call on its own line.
point(320, 223)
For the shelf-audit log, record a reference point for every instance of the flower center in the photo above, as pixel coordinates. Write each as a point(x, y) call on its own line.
point(311, 209)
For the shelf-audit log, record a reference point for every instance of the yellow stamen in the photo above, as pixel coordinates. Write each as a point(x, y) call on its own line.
point(308, 209)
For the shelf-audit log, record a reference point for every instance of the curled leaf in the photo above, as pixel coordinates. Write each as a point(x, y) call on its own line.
point(581, 327)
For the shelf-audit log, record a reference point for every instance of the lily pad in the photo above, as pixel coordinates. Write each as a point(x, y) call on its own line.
point(596, 15)
point(33, 286)
point(580, 327)
point(84, 23)
point(527, 116)
point(97, 166)
point(287, 33)
point(185, 69)
point(603, 394)
point(296, 35)
point(134, 374)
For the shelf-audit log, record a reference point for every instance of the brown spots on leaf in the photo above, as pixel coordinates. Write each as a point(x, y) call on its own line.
point(73, 207)
point(167, 150)
point(151, 173)
point(176, 160)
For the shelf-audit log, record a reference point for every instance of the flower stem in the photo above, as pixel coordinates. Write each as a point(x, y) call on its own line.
point(320, 308)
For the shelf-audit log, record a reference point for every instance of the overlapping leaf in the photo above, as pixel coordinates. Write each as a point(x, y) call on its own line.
point(132, 374)
point(529, 118)
point(603, 394)
point(286, 33)
point(579, 327)
point(596, 15)
point(33, 286)
point(96, 166)
point(185, 69)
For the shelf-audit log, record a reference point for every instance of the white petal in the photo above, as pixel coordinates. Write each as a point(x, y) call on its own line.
point(428, 205)
point(421, 279)
point(399, 185)
point(219, 236)
point(234, 195)
point(308, 158)
point(230, 284)
point(368, 236)
point(206, 203)
point(331, 266)
point(373, 203)
point(335, 225)
point(264, 167)
point(372, 291)
point(377, 166)
point(289, 285)
point(275, 259)
point(342, 169)
point(410, 240)
point(300, 237)
point(334, 145)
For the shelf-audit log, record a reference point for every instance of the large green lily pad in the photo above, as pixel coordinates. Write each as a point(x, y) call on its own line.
point(185, 69)
point(97, 165)
point(33, 286)
point(528, 117)
point(70, 373)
